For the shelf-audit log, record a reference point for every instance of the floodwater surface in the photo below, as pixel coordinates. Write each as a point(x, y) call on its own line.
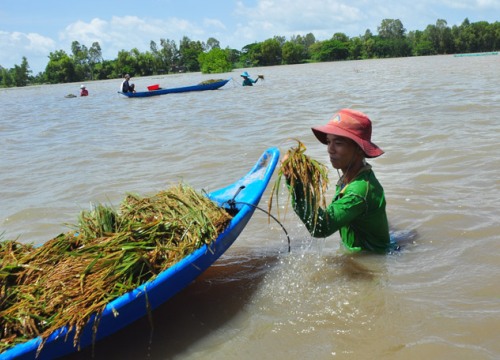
point(437, 118)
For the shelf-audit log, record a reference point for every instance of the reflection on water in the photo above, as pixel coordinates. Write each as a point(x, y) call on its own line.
point(240, 280)
point(206, 306)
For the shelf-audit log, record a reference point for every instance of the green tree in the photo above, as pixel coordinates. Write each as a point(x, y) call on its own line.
point(341, 37)
point(280, 39)
point(368, 42)
point(106, 69)
point(419, 44)
point(169, 55)
point(158, 63)
point(189, 51)
point(6, 78)
point(440, 37)
point(19, 75)
point(145, 62)
point(234, 56)
point(94, 57)
point(391, 29)
point(126, 63)
point(495, 33)
point(212, 43)
point(80, 57)
point(215, 61)
point(329, 50)
point(424, 48)
point(293, 53)
point(271, 52)
point(308, 40)
point(60, 68)
point(483, 37)
point(355, 48)
point(446, 45)
point(251, 54)
point(305, 41)
point(391, 40)
point(382, 47)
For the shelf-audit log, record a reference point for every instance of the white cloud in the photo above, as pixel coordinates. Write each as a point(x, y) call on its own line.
point(290, 15)
point(128, 32)
point(286, 18)
point(472, 4)
point(15, 45)
point(214, 23)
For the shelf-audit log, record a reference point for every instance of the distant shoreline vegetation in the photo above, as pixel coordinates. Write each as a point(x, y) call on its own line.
point(84, 64)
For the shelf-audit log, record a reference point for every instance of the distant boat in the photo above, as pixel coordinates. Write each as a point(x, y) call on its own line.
point(477, 54)
point(206, 85)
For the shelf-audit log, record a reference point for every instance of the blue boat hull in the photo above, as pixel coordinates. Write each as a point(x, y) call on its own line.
point(201, 87)
point(136, 304)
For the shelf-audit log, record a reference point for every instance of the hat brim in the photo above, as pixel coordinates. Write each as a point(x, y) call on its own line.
point(370, 149)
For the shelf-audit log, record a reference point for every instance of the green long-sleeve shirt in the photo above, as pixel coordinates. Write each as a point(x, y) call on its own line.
point(357, 211)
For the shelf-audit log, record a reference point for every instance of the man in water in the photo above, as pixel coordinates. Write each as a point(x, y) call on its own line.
point(83, 91)
point(247, 80)
point(358, 208)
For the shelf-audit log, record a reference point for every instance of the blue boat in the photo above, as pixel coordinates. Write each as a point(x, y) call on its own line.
point(477, 54)
point(200, 87)
point(240, 198)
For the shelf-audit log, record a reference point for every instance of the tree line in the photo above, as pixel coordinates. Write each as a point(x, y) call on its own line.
point(166, 57)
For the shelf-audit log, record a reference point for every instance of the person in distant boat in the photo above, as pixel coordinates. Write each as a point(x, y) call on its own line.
point(126, 86)
point(83, 91)
point(358, 208)
point(247, 80)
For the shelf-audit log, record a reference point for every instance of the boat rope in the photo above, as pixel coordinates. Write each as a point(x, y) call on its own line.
point(272, 216)
point(232, 204)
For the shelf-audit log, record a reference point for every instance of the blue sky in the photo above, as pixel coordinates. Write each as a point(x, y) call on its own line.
point(34, 28)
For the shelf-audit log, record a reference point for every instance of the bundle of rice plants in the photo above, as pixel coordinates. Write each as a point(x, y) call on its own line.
point(106, 254)
point(298, 169)
point(210, 81)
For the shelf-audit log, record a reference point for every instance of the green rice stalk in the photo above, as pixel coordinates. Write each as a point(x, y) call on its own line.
point(300, 169)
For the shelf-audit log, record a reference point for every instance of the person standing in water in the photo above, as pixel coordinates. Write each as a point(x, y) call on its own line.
point(83, 91)
point(358, 210)
point(247, 80)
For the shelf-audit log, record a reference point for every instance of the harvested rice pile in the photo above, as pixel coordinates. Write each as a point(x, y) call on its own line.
point(107, 254)
point(299, 169)
point(210, 81)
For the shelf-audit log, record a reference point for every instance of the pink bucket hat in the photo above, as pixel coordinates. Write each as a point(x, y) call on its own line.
point(351, 124)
